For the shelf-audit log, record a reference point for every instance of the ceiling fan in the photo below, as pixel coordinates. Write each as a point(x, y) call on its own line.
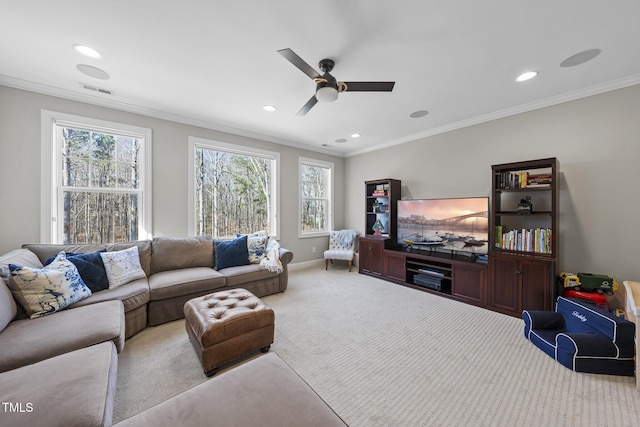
point(327, 87)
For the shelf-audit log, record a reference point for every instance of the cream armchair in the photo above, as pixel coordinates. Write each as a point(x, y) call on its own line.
point(341, 247)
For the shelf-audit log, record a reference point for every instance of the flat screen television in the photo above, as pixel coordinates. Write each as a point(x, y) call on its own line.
point(456, 225)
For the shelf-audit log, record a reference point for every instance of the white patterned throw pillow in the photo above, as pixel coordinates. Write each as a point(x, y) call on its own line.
point(43, 291)
point(122, 266)
point(257, 246)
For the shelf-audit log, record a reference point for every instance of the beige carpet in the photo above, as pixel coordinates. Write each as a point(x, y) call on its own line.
point(381, 354)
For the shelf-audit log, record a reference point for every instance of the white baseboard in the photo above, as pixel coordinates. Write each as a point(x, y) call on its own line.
point(305, 264)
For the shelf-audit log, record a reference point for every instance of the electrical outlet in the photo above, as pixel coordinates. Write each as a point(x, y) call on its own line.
point(313, 250)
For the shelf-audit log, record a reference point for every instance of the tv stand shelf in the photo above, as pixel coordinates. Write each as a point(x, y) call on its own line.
point(429, 274)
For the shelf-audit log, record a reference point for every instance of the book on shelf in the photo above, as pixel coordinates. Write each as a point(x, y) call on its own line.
point(498, 235)
point(536, 240)
point(518, 180)
point(379, 194)
point(539, 181)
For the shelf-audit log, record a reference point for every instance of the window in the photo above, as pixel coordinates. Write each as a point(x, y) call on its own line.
point(232, 189)
point(96, 180)
point(316, 200)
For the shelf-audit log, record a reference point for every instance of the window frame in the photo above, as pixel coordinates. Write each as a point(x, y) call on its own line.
point(208, 144)
point(51, 225)
point(307, 161)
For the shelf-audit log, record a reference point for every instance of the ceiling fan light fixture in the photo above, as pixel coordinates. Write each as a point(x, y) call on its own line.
point(327, 94)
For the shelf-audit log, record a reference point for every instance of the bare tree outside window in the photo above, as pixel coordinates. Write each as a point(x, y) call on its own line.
point(233, 193)
point(315, 182)
point(100, 186)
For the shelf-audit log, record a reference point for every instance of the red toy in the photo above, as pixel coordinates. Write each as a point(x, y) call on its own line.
point(600, 300)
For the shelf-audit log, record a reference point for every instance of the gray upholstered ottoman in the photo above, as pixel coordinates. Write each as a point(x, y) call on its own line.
point(265, 391)
point(226, 325)
point(73, 389)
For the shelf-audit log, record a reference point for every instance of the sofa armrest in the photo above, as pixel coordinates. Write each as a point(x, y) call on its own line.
point(286, 256)
point(543, 319)
point(586, 345)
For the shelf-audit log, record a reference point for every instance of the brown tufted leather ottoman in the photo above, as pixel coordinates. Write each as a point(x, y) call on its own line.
point(226, 325)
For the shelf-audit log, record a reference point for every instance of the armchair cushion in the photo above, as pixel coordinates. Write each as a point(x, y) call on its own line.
point(341, 245)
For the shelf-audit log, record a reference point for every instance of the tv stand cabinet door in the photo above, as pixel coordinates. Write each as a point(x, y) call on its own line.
point(538, 291)
point(395, 266)
point(504, 287)
point(469, 283)
point(370, 256)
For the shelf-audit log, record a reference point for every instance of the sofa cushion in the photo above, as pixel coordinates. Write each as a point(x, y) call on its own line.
point(122, 266)
point(262, 392)
point(43, 291)
point(73, 389)
point(47, 250)
point(237, 276)
point(23, 257)
point(176, 253)
point(28, 341)
point(91, 269)
point(231, 253)
point(8, 308)
point(133, 295)
point(170, 284)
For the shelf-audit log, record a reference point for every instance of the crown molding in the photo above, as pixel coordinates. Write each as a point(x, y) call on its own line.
point(103, 101)
point(547, 102)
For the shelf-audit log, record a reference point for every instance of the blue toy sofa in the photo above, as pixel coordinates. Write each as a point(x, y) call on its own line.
point(583, 337)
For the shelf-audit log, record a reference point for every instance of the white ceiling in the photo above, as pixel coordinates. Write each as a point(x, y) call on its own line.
point(214, 63)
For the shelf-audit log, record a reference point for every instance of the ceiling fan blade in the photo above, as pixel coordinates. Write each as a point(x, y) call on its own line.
point(369, 86)
point(292, 57)
point(306, 107)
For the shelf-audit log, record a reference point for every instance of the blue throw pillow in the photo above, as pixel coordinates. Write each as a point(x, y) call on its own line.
point(231, 253)
point(91, 269)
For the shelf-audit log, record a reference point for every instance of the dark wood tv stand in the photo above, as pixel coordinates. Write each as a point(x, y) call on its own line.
point(523, 244)
point(460, 276)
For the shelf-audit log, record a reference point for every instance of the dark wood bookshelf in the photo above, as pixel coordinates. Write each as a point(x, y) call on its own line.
point(523, 277)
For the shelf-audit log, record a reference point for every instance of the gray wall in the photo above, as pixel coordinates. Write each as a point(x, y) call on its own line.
point(20, 171)
point(597, 141)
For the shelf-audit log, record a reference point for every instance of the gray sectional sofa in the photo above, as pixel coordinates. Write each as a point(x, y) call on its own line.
point(61, 368)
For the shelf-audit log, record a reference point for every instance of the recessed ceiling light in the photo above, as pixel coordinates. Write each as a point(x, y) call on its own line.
point(94, 72)
point(269, 108)
point(341, 140)
point(526, 76)
point(87, 51)
point(355, 135)
point(580, 58)
point(418, 114)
